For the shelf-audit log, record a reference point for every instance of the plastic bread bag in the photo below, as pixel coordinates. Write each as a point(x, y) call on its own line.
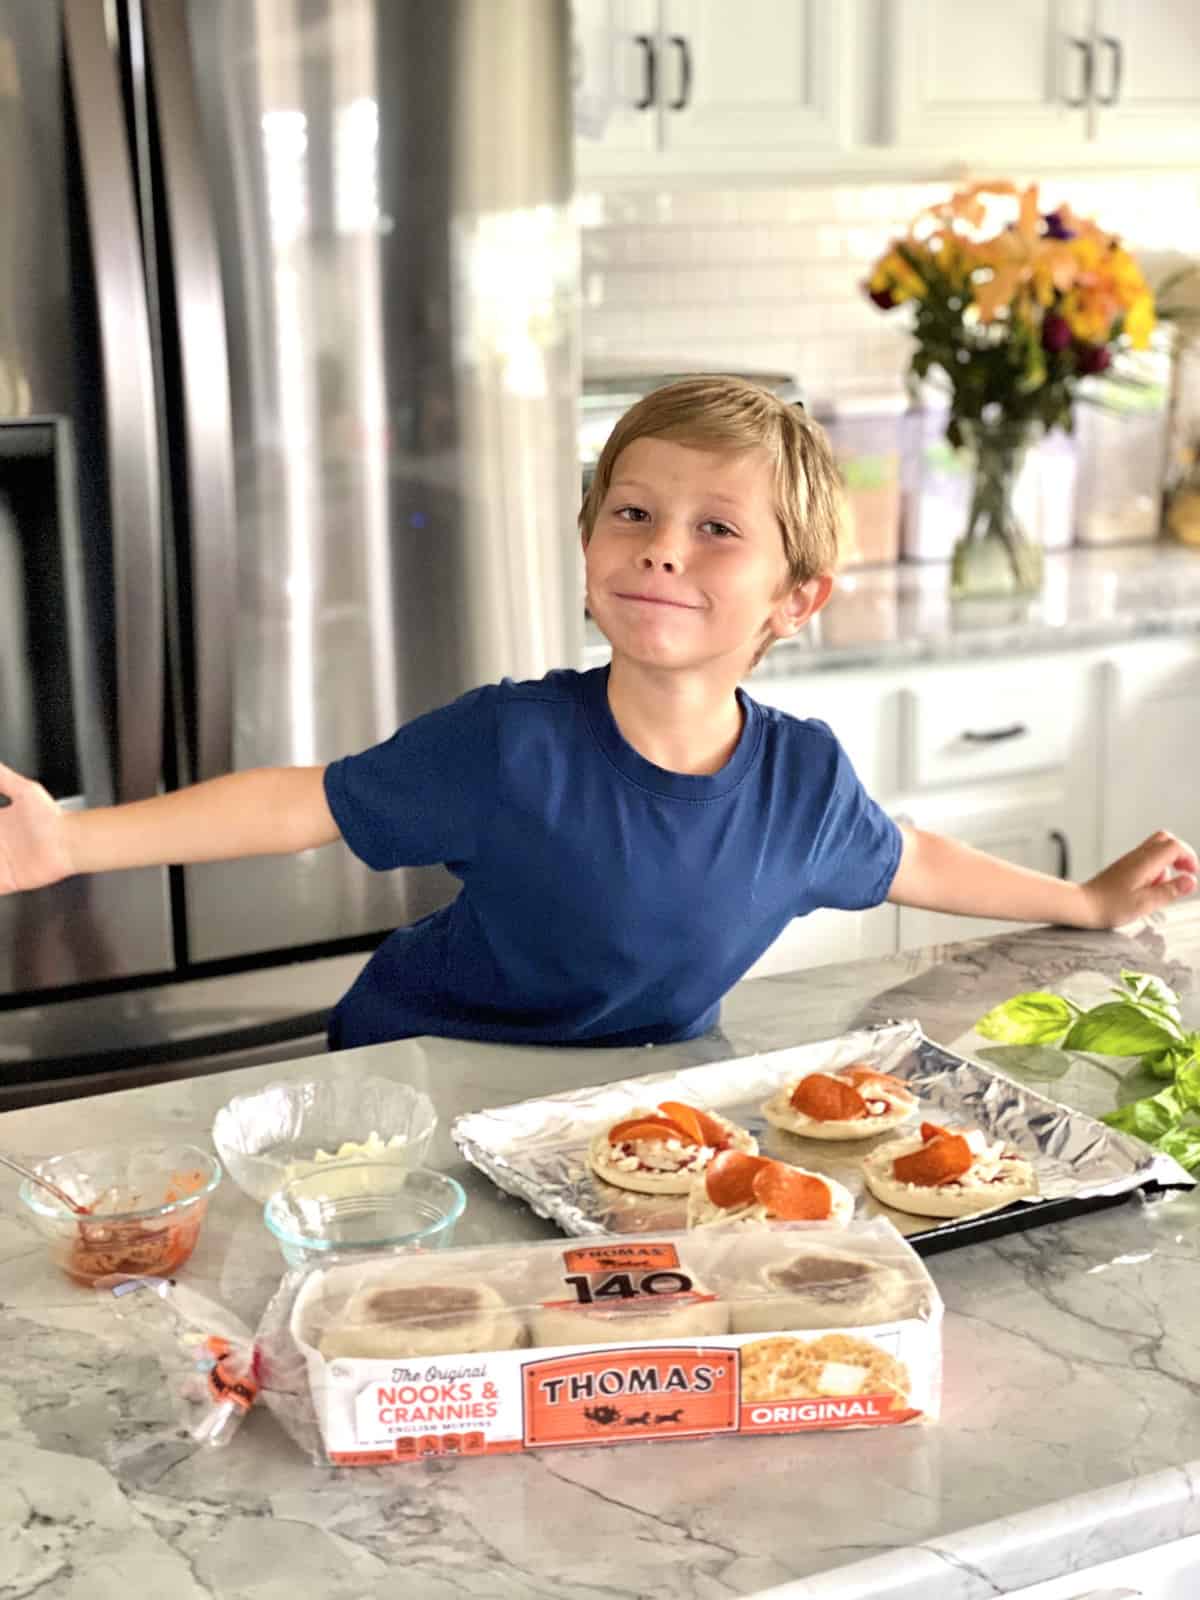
point(208, 1354)
point(490, 1349)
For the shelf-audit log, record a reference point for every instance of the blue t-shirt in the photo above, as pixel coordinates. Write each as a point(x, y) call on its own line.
point(604, 900)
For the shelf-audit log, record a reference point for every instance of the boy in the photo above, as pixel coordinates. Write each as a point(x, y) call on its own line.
point(629, 839)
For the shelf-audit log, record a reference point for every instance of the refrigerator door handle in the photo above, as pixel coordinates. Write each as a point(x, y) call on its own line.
point(128, 392)
point(204, 367)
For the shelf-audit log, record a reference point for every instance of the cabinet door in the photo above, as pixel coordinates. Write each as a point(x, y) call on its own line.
point(1031, 826)
point(617, 75)
point(1153, 770)
point(1147, 80)
point(755, 75)
point(967, 73)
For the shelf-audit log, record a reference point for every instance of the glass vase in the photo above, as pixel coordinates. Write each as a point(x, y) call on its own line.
point(995, 556)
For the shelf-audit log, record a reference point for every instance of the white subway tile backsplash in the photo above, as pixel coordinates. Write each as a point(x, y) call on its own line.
point(770, 278)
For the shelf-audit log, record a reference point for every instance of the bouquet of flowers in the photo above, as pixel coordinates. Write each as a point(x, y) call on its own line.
point(1017, 316)
point(1014, 315)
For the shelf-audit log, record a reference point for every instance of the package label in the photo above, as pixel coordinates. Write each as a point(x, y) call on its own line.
point(373, 1411)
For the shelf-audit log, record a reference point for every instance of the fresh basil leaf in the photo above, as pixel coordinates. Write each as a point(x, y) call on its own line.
point(1117, 1028)
point(1184, 1145)
point(1187, 1085)
point(1162, 1063)
point(1152, 997)
point(1149, 1118)
point(1034, 1018)
point(1139, 1084)
point(1040, 1062)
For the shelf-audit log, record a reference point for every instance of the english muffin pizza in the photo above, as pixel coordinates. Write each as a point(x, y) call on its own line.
point(853, 1102)
point(740, 1188)
point(947, 1172)
point(660, 1151)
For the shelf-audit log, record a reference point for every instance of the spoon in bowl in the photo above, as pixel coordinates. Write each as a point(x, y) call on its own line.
point(60, 1195)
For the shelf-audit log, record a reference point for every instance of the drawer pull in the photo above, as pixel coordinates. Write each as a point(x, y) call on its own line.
point(1014, 730)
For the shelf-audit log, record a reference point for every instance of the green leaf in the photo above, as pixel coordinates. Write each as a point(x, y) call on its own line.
point(1184, 1145)
point(1034, 1018)
point(1187, 1085)
point(1149, 1119)
point(1040, 1062)
point(1152, 997)
point(1138, 1084)
point(1162, 1063)
point(1117, 1028)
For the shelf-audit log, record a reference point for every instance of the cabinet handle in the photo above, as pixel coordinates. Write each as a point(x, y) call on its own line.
point(1084, 46)
point(1064, 852)
point(685, 72)
point(1014, 730)
point(649, 71)
point(1117, 56)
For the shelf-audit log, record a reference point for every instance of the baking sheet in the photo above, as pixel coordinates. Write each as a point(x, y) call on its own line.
point(536, 1148)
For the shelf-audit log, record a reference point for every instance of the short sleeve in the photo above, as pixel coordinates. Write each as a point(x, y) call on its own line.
point(858, 846)
point(419, 797)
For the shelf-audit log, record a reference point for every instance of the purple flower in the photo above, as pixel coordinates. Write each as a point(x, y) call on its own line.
point(1093, 358)
point(1056, 228)
point(883, 298)
point(1056, 332)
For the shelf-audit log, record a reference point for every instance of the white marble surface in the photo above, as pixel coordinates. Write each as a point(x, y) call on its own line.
point(904, 613)
point(1072, 1381)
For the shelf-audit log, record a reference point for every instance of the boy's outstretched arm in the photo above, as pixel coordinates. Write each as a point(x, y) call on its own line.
point(939, 874)
point(266, 811)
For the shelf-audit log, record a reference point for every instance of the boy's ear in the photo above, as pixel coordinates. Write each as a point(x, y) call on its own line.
point(799, 604)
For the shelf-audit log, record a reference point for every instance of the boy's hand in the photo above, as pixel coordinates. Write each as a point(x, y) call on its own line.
point(33, 837)
point(1138, 883)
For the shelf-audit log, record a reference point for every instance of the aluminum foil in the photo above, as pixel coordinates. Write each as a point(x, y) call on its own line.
point(536, 1149)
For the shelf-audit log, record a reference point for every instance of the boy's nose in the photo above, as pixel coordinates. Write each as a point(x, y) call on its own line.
point(661, 552)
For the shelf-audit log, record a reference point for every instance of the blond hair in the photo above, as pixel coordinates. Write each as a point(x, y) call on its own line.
point(721, 413)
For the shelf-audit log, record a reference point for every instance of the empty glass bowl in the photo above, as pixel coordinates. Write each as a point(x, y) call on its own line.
point(147, 1206)
point(275, 1133)
point(352, 1206)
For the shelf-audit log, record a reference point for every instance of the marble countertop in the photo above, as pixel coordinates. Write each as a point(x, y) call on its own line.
point(1072, 1395)
point(887, 615)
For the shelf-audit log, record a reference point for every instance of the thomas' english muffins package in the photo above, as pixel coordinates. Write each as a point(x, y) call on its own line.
point(478, 1351)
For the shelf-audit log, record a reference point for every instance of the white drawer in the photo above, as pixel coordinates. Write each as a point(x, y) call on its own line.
point(980, 724)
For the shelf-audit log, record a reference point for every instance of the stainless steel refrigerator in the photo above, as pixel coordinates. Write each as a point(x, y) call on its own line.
point(288, 449)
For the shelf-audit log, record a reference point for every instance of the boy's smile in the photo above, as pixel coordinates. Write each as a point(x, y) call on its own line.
point(685, 564)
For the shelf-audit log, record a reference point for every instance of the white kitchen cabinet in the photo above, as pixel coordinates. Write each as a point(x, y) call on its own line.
point(709, 86)
point(965, 74)
point(1151, 734)
point(1004, 755)
point(1087, 79)
point(1147, 76)
point(616, 52)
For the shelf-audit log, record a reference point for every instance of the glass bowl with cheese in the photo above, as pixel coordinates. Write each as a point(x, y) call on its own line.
point(271, 1135)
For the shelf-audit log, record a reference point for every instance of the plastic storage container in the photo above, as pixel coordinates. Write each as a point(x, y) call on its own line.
point(1121, 423)
point(867, 433)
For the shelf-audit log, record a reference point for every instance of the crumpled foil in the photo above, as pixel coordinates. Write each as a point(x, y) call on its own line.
point(536, 1148)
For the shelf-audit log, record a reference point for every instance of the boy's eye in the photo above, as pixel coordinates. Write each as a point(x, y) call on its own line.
point(721, 529)
point(631, 513)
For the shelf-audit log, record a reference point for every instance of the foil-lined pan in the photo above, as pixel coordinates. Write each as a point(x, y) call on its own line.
point(536, 1149)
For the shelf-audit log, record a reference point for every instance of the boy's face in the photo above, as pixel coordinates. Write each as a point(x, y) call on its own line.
point(685, 565)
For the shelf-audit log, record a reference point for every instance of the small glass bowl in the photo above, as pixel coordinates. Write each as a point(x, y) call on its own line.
point(148, 1206)
point(348, 1207)
point(273, 1134)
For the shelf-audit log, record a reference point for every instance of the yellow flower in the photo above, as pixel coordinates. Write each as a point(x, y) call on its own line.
point(1139, 320)
point(893, 273)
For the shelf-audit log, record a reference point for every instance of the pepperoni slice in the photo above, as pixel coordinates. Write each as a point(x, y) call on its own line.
point(792, 1196)
point(703, 1128)
point(649, 1128)
point(729, 1178)
point(827, 1099)
point(858, 1074)
point(933, 1130)
point(946, 1157)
